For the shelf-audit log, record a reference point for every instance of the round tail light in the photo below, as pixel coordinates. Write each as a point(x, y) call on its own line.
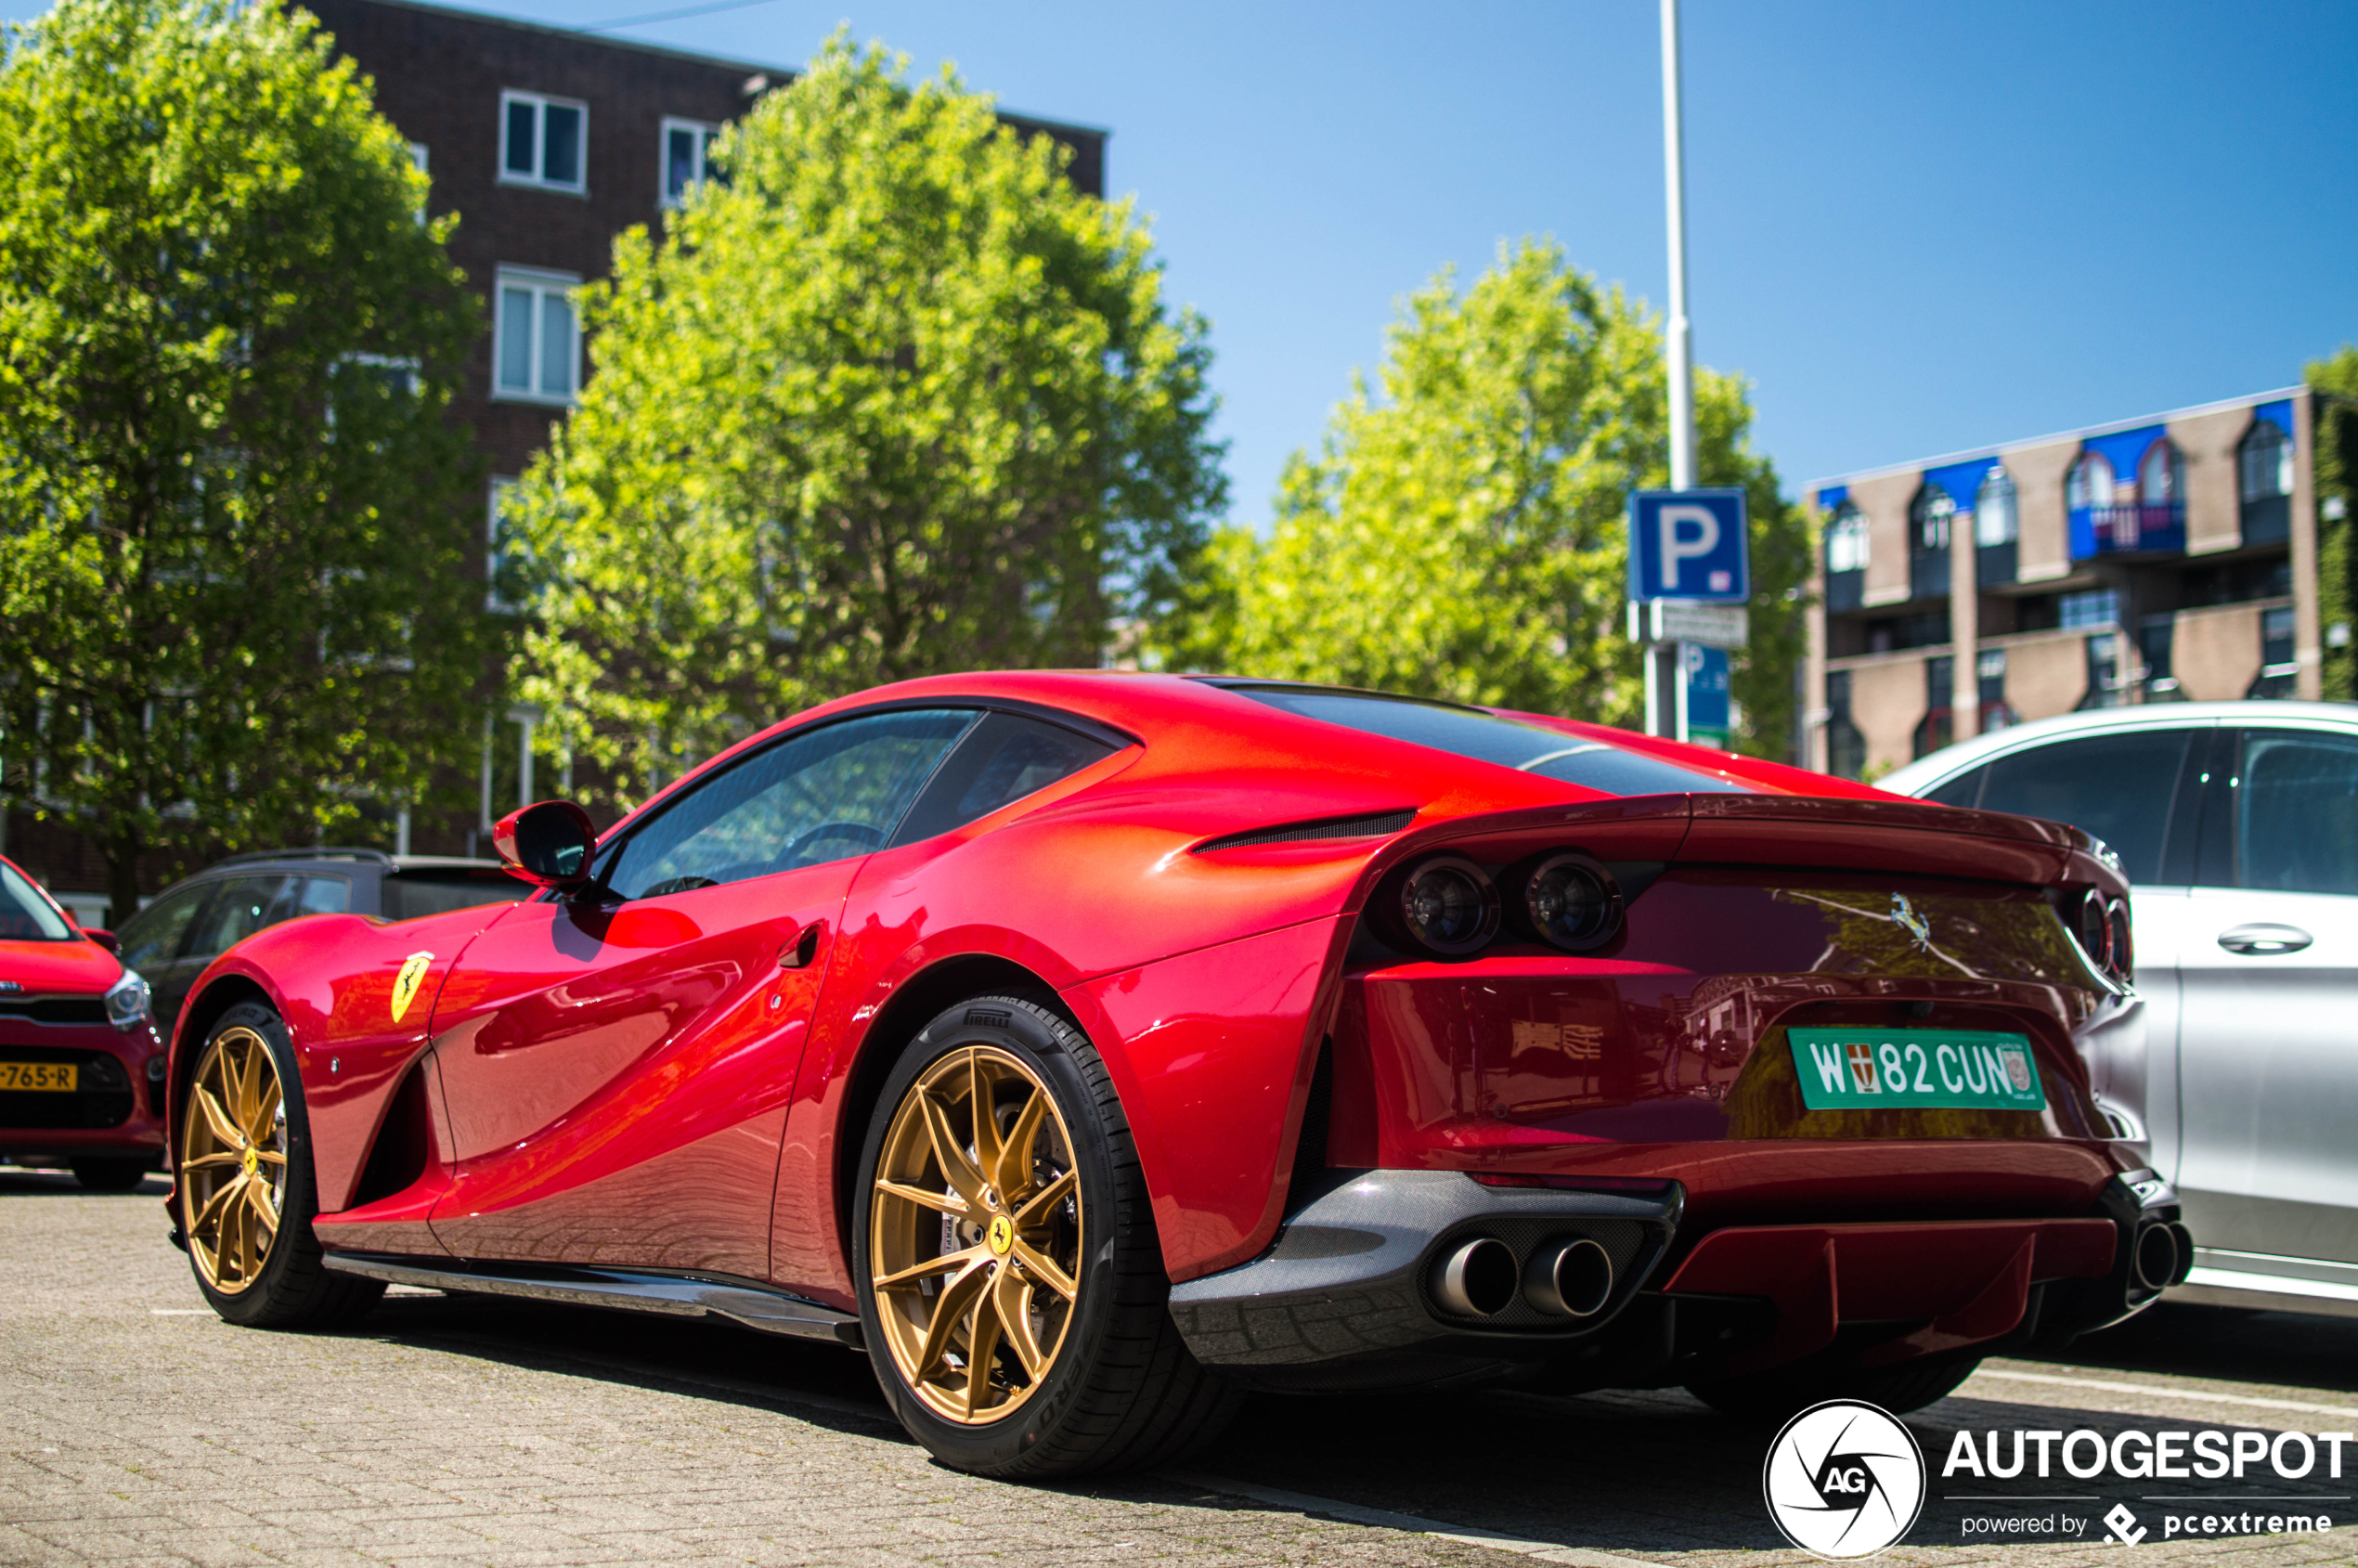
point(1446, 906)
point(1569, 901)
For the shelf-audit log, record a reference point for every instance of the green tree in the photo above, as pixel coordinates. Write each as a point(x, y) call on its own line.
point(2333, 442)
point(889, 398)
point(233, 599)
point(1463, 537)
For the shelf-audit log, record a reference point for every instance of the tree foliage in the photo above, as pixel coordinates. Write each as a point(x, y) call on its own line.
point(233, 597)
point(890, 398)
point(2333, 383)
point(1463, 536)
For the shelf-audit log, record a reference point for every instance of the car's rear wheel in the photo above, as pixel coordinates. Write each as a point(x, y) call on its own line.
point(1012, 1289)
point(245, 1188)
point(112, 1174)
point(1779, 1393)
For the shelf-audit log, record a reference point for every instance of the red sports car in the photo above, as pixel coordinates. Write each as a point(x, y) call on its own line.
point(81, 1063)
point(1089, 1047)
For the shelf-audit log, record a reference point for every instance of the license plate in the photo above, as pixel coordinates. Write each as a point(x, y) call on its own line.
point(53, 1077)
point(1931, 1068)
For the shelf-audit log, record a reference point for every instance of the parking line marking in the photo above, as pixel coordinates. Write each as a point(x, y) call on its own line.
point(2153, 1391)
point(1409, 1523)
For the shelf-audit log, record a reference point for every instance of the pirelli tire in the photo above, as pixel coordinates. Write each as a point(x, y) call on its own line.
point(1012, 1292)
point(243, 1191)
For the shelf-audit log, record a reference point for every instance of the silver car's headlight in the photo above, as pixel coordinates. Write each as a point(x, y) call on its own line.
point(127, 1001)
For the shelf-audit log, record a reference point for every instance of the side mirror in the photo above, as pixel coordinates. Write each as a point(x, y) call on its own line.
point(104, 938)
point(547, 843)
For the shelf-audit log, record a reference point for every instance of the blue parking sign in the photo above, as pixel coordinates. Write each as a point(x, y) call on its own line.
point(1690, 544)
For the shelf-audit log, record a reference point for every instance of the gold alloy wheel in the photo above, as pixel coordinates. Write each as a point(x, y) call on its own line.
point(233, 1159)
point(974, 1235)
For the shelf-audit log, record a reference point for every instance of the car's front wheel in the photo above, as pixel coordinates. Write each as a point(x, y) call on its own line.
point(1012, 1289)
point(245, 1187)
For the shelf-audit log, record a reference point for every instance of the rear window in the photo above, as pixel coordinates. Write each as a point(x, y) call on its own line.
point(414, 895)
point(1485, 737)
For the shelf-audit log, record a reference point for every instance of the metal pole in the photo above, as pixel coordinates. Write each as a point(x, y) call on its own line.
point(1666, 663)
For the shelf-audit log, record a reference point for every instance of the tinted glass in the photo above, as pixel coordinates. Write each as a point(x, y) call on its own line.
point(152, 937)
point(826, 795)
point(413, 896)
point(2117, 788)
point(1004, 758)
point(2297, 812)
point(521, 152)
point(1962, 790)
point(246, 904)
point(564, 160)
point(1487, 738)
point(25, 916)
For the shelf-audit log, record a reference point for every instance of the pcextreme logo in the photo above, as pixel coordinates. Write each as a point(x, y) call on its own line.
point(405, 984)
point(1844, 1479)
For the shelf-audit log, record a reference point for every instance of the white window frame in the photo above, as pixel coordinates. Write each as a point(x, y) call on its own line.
point(704, 131)
point(503, 486)
point(537, 179)
point(542, 283)
point(1846, 541)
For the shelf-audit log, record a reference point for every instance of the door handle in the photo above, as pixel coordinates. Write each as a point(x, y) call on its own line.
point(799, 952)
point(2263, 938)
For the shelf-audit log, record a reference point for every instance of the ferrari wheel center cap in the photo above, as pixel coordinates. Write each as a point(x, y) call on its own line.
point(1001, 1236)
point(251, 1160)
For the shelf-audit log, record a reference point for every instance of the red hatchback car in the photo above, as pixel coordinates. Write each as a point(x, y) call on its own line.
point(1089, 1047)
point(81, 1063)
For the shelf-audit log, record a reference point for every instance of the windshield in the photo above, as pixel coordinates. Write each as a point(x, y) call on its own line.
point(25, 916)
point(1487, 738)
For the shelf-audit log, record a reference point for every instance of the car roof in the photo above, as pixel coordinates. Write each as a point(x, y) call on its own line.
point(1925, 773)
point(265, 862)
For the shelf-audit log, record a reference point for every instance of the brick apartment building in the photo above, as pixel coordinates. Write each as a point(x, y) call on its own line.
point(548, 143)
point(2169, 558)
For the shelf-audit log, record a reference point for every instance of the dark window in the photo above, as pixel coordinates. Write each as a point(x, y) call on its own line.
point(1938, 726)
point(247, 905)
point(1485, 737)
point(824, 794)
point(1004, 758)
point(1930, 519)
point(1846, 746)
point(2295, 812)
point(25, 916)
point(152, 938)
point(414, 895)
point(1963, 790)
point(2117, 788)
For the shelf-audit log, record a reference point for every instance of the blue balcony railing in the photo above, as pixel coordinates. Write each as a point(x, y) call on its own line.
point(2128, 530)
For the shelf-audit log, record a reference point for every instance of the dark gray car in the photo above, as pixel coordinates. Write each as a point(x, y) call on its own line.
point(193, 922)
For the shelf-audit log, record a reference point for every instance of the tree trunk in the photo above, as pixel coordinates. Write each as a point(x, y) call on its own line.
point(122, 879)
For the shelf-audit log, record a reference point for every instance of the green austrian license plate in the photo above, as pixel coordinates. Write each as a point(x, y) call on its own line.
point(1915, 1069)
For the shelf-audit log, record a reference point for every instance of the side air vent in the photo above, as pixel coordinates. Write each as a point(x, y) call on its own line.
point(1377, 826)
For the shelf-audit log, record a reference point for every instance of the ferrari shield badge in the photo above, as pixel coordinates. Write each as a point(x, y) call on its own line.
point(405, 984)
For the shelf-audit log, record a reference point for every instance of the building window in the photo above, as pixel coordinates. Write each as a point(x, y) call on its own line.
point(1995, 520)
point(1929, 519)
point(1938, 726)
point(2098, 606)
point(1846, 541)
point(2265, 459)
point(2090, 483)
point(1989, 683)
point(2104, 672)
point(1846, 748)
point(686, 144)
point(538, 348)
point(503, 552)
point(2161, 475)
point(2279, 674)
point(541, 140)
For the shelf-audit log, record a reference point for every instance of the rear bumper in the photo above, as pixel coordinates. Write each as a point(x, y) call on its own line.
point(1356, 1291)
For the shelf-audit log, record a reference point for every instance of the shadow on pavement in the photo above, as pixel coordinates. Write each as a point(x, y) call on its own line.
point(2281, 1349)
point(21, 1182)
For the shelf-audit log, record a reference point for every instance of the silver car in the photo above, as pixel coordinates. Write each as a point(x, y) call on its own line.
point(2237, 824)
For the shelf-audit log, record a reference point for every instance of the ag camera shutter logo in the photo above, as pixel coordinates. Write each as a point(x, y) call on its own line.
point(1844, 1479)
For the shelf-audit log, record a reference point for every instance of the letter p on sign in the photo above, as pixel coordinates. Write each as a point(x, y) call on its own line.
point(1688, 544)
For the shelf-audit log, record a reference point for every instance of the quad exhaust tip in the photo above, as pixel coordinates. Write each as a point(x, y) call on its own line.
point(2159, 1258)
point(1570, 1277)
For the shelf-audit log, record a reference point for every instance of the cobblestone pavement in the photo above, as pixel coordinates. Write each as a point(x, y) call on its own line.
point(453, 1430)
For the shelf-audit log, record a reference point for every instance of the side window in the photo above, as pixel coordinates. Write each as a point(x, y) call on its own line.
point(1006, 757)
point(824, 795)
point(1962, 790)
point(252, 903)
point(152, 937)
point(2295, 812)
point(2118, 788)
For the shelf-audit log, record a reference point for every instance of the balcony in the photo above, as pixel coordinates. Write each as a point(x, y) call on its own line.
point(2128, 530)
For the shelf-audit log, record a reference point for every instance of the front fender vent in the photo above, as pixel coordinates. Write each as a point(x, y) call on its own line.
point(1383, 824)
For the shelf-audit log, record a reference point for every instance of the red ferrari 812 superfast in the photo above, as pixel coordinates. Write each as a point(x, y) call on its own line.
point(1088, 1048)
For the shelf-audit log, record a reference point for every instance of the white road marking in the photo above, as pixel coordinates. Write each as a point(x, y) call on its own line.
point(1410, 1523)
point(2153, 1391)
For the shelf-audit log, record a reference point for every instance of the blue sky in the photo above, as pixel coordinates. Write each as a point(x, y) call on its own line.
point(1917, 227)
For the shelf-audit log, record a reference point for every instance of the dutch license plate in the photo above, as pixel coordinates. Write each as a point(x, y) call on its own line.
point(1926, 1069)
point(55, 1077)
